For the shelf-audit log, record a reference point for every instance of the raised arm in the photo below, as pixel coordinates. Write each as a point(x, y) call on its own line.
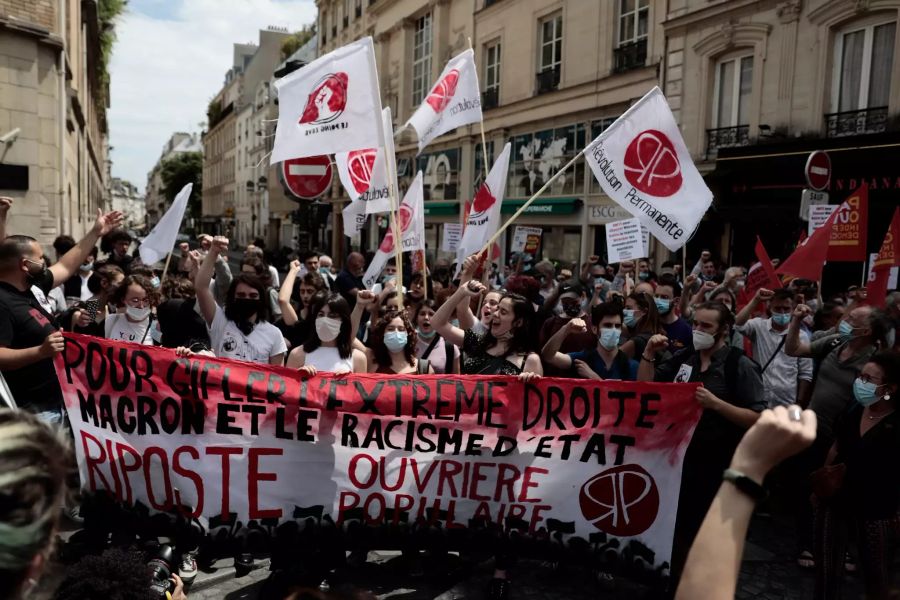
point(550, 353)
point(761, 295)
point(5, 204)
point(365, 300)
point(204, 275)
point(464, 311)
point(441, 319)
point(288, 314)
point(793, 345)
point(68, 264)
point(647, 365)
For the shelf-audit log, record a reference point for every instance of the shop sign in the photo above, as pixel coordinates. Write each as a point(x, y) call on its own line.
point(601, 214)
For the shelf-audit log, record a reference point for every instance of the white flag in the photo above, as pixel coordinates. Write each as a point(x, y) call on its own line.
point(642, 163)
point(411, 221)
point(161, 240)
point(483, 219)
point(330, 105)
point(354, 217)
point(453, 101)
point(364, 176)
point(388, 158)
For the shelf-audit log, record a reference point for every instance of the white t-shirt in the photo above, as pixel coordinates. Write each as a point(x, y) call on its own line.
point(276, 282)
point(227, 340)
point(118, 327)
point(85, 292)
point(329, 360)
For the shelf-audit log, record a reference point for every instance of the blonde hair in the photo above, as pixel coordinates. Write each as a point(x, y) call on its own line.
point(34, 462)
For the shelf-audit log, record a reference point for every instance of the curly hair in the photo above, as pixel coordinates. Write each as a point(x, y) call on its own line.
point(116, 574)
point(376, 343)
point(118, 298)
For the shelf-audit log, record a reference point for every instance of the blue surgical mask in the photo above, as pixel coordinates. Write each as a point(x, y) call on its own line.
point(663, 305)
point(864, 392)
point(425, 335)
point(781, 319)
point(628, 317)
point(643, 275)
point(395, 340)
point(609, 337)
point(325, 270)
point(845, 329)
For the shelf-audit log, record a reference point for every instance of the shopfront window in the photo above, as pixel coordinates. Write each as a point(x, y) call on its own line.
point(598, 127)
point(536, 157)
point(440, 173)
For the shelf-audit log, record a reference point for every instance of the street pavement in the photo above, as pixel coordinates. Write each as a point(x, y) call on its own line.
point(768, 572)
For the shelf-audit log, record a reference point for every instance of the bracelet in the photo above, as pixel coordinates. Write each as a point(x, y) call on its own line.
point(746, 485)
point(649, 360)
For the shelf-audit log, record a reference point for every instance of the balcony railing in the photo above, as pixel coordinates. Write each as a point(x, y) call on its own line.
point(854, 122)
point(726, 137)
point(490, 98)
point(548, 80)
point(632, 55)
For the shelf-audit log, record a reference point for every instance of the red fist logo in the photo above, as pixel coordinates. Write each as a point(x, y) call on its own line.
point(622, 501)
point(651, 164)
point(484, 199)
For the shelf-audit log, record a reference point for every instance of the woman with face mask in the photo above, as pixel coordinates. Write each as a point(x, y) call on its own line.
point(329, 346)
point(135, 300)
point(863, 497)
point(89, 317)
point(295, 298)
point(443, 356)
point(392, 347)
point(640, 322)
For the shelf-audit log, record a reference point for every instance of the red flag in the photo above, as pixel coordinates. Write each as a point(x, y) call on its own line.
point(848, 236)
point(888, 257)
point(761, 275)
point(807, 260)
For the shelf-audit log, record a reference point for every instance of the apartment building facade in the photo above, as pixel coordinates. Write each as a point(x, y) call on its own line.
point(155, 202)
point(53, 101)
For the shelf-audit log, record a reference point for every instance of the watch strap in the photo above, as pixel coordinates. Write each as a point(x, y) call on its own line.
point(751, 488)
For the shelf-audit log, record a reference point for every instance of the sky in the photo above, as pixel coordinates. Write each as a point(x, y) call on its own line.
point(169, 60)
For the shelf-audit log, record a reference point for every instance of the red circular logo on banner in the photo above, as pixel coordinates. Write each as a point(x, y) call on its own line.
point(651, 164)
point(327, 100)
point(622, 501)
point(404, 218)
point(484, 199)
point(360, 164)
point(443, 92)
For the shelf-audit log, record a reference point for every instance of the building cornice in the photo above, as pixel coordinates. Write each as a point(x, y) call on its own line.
point(710, 12)
point(836, 11)
point(732, 35)
point(43, 36)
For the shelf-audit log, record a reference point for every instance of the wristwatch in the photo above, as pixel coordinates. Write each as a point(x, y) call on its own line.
point(745, 484)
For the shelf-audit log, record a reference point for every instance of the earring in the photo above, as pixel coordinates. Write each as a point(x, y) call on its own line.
point(887, 397)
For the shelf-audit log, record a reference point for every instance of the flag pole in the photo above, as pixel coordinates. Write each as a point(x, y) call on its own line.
point(484, 152)
point(424, 275)
point(528, 202)
point(165, 268)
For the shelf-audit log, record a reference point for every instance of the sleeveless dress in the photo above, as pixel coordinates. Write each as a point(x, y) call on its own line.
point(477, 361)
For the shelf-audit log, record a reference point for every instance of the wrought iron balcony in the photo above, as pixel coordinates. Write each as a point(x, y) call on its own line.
point(632, 55)
point(548, 80)
point(726, 137)
point(854, 122)
point(490, 98)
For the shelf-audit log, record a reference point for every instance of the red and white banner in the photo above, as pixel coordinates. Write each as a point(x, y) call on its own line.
point(849, 232)
point(411, 221)
point(330, 105)
point(483, 218)
point(642, 163)
point(454, 100)
point(226, 440)
point(364, 176)
point(888, 258)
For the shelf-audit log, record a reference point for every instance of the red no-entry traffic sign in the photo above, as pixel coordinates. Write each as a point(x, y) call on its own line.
point(818, 170)
point(307, 178)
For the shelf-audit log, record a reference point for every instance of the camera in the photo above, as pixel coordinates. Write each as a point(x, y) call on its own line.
point(160, 565)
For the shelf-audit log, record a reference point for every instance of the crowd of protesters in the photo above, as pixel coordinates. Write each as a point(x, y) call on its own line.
point(835, 355)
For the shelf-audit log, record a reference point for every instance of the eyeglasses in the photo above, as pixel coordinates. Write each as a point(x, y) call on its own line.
point(868, 379)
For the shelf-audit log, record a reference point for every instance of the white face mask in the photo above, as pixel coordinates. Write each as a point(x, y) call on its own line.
point(328, 329)
point(703, 340)
point(137, 314)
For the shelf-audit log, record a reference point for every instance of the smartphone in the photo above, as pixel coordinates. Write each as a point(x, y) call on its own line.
point(91, 308)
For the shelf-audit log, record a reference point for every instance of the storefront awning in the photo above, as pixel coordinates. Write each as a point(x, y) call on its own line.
point(543, 206)
point(441, 208)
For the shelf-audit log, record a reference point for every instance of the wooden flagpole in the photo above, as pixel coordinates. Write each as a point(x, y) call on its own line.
point(484, 152)
point(528, 202)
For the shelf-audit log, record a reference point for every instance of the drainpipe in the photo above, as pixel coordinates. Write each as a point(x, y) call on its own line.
point(61, 74)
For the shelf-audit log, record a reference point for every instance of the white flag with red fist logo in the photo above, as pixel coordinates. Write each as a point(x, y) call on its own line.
point(642, 163)
point(330, 105)
point(484, 216)
point(411, 221)
point(364, 176)
point(454, 100)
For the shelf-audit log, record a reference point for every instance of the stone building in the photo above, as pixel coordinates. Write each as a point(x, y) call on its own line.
point(53, 101)
point(125, 198)
point(154, 199)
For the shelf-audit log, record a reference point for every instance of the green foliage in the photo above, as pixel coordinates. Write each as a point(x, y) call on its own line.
point(108, 11)
point(180, 170)
point(213, 113)
point(296, 41)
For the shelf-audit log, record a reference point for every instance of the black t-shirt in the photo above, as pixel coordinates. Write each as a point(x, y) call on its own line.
point(345, 282)
point(25, 324)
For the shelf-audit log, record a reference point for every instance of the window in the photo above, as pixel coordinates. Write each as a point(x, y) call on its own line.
point(864, 63)
point(551, 43)
point(734, 84)
point(537, 156)
point(358, 10)
point(633, 20)
point(421, 79)
point(346, 13)
point(491, 95)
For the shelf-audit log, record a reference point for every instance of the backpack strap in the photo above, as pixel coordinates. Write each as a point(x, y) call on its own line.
point(448, 353)
point(422, 366)
point(431, 346)
point(774, 354)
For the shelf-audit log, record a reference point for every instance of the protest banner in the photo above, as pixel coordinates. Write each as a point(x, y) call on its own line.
point(330, 105)
point(819, 215)
point(221, 439)
point(526, 239)
point(643, 164)
point(808, 259)
point(883, 266)
point(450, 237)
point(848, 234)
point(624, 240)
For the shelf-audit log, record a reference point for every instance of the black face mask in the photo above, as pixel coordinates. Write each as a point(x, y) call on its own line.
point(571, 310)
point(35, 276)
point(240, 310)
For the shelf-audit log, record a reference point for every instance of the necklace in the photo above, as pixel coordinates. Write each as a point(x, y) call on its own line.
point(873, 417)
